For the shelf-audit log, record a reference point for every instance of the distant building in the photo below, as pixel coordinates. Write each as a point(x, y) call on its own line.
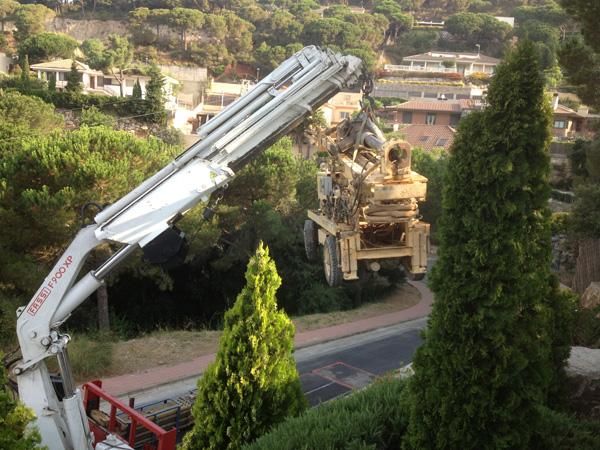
point(422, 112)
point(568, 124)
point(446, 62)
point(428, 137)
point(508, 20)
point(97, 82)
point(92, 80)
point(341, 106)
point(5, 63)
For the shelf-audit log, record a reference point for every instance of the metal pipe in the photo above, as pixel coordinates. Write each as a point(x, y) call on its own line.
point(101, 272)
point(64, 364)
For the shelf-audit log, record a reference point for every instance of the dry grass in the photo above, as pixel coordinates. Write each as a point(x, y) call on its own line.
point(161, 348)
point(172, 347)
point(404, 297)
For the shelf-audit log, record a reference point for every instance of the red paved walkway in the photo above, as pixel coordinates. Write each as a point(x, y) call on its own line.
point(157, 376)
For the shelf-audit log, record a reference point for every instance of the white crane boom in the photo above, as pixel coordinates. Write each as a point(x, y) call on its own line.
point(274, 106)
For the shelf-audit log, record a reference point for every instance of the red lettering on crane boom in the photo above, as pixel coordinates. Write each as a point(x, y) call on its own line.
point(46, 289)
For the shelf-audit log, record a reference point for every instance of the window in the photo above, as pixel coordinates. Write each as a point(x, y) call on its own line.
point(441, 142)
point(407, 117)
point(561, 123)
point(430, 119)
point(61, 76)
point(344, 115)
point(454, 118)
point(423, 138)
point(129, 83)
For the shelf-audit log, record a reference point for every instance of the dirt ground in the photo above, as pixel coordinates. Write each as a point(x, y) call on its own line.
point(172, 347)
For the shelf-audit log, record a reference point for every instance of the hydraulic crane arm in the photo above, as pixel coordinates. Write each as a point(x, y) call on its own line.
point(274, 106)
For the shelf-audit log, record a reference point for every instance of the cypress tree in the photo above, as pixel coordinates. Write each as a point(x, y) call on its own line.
point(486, 364)
point(137, 90)
point(155, 97)
point(74, 80)
point(253, 384)
point(25, 71)
point(52, 82)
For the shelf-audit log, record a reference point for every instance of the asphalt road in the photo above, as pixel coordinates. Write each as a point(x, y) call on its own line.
point(334, 368)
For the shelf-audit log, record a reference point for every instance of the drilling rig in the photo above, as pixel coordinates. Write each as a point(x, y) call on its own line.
point(368, 202)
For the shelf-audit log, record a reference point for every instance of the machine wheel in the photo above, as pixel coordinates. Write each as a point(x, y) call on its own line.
point(333, 274)
point(310, 239)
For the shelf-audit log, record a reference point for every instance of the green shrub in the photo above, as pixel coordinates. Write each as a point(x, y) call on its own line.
point(559, 222)
point(8, 322)
point(15, 433)
point(93, 117)
point(559, 431)
point(90, 355)
point(253, 383)
point(375, 418)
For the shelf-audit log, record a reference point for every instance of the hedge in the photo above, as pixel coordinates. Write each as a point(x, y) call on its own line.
point(375, 418)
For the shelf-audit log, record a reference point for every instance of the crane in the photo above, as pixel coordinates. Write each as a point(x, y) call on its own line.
point(146, 218)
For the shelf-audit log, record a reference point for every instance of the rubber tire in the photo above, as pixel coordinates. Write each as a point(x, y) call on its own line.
point(333, 273)
point(310, 240)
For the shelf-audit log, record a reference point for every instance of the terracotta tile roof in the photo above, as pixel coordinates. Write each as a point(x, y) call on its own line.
point(452, 56)
point(429, 137)
point(438, 105)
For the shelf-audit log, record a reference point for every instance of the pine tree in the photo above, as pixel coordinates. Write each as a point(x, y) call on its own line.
point(74, 80)
point(155, 97)
point(253, 384)
point(486, 364)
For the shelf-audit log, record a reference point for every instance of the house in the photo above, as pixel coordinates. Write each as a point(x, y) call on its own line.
point(423, 112)
point(215, 98)
point(405, 89)
point(446, 62)
point(341, 106)
point(5, 63)
point(97, 82)
point(92, 80)
point(429, 137)
point(568, 124)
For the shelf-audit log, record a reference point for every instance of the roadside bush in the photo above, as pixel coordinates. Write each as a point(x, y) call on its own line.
point(375, 418)
point(90, 355)
point(8, 322)
point(559, 431)
point(93, 117)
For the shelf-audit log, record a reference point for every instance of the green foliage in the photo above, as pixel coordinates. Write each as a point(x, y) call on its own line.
point(558, 431)
point(483, 29)
point(253, 384)
point(7, 8)
point(30, 19)
point(374, 418)
point(487, 361)
point(154, 102)
point(25, 70)
point(47, 46)
point(95, 53)
point(29, 114)
point(581, 65)
point(14, 420)
point(45, 180)
point(8, 322)
point(82, 346)
point(93, 117)
point(74, 85)
point(585, 217)
point(432, 165)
